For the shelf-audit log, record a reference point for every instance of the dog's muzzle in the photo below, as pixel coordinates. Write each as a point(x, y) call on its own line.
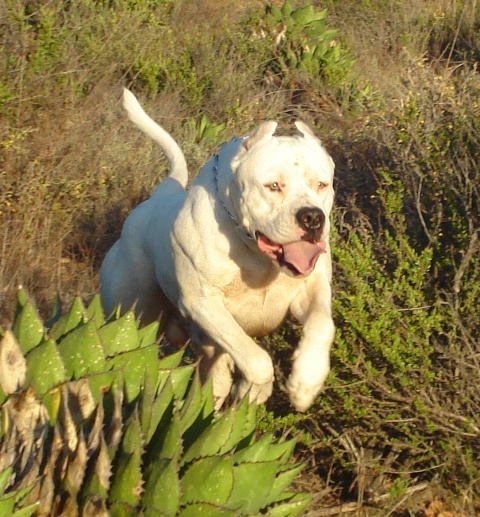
point(312, 221)
point(299, 257)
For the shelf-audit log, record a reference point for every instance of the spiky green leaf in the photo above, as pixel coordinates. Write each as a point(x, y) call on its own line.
point(145, 403)
point(52, 400)
point(162, 402)
point(193, 403)
point(9, 501)
point(22, 493)
point(242, 426)
point(28, 327)
point(212, 439)
point(3, 398)
point(171, 361)
point(69, 321)
point(102, 382)
point(295, 506)
point(208, 399)
point(282, 482)
point(27, 511)
point(252, 482)
point(45, 368)
point(134, 365)
point(208, 480)
point(195, 421)
point(162, 487)
point(4, 477)
point(132, 437)
point(180, 379)
point(94, 312)
point(120, 335)
point(172, 443)
point(127, 478)
point(22, 298)
point(7, 504)
point(257, 451)
point(107, 468)
point(121, 509)
point(148, 334)
point(82, 352)
point(265, 450)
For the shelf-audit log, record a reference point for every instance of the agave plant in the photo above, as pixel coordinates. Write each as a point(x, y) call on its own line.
point(94, 423)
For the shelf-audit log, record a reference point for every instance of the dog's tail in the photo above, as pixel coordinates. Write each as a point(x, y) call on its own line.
point(178, 164)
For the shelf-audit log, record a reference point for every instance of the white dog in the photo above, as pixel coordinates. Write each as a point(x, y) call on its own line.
point(230, 257)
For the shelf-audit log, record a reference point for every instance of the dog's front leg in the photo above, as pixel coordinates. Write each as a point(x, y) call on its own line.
point(254, 363)
point(311, 360)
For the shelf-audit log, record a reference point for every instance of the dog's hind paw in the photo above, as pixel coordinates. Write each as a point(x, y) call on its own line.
point(258, 393)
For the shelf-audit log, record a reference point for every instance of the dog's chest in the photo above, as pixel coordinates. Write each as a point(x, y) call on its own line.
point(259, 304)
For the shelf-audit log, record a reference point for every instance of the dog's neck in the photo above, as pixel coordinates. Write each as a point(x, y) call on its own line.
point(227, 211)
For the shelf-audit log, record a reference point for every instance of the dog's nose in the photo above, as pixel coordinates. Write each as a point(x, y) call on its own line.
point(311, 219)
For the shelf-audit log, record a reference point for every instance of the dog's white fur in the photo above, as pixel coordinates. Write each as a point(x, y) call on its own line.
point(188, 257)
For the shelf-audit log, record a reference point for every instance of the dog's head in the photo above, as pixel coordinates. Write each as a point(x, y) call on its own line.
point(282, 193)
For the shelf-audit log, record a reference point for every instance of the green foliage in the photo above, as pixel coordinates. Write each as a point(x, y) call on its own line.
point(207, 131)
point(305, 43)
point(389, 349)
point(383, 292)
point(50, 40)
point(386, 293)
point(12, 500)
point(134, 434)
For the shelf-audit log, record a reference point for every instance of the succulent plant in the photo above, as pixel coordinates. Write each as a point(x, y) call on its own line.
point(93, 423)
point(304, 41)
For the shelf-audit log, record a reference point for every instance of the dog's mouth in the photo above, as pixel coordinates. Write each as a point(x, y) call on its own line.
point(299, 257)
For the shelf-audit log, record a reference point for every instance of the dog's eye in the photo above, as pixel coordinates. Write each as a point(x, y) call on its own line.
point(274, 186)
point(322, 185)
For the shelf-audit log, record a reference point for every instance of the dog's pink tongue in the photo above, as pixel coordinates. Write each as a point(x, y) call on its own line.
point(303, 255)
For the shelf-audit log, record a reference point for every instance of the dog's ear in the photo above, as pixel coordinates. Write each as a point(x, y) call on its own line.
point(305, 130)
point(263, 132)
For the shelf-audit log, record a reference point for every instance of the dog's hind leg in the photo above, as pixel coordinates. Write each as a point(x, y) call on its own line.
point(217, 365)
point(130, 284)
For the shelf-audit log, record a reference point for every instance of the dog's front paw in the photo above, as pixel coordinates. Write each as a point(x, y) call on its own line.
point(307, 379)
point(301, 396)
point(256, 380)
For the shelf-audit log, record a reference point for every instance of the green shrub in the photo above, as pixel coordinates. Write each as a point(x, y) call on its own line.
point(304, 42)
